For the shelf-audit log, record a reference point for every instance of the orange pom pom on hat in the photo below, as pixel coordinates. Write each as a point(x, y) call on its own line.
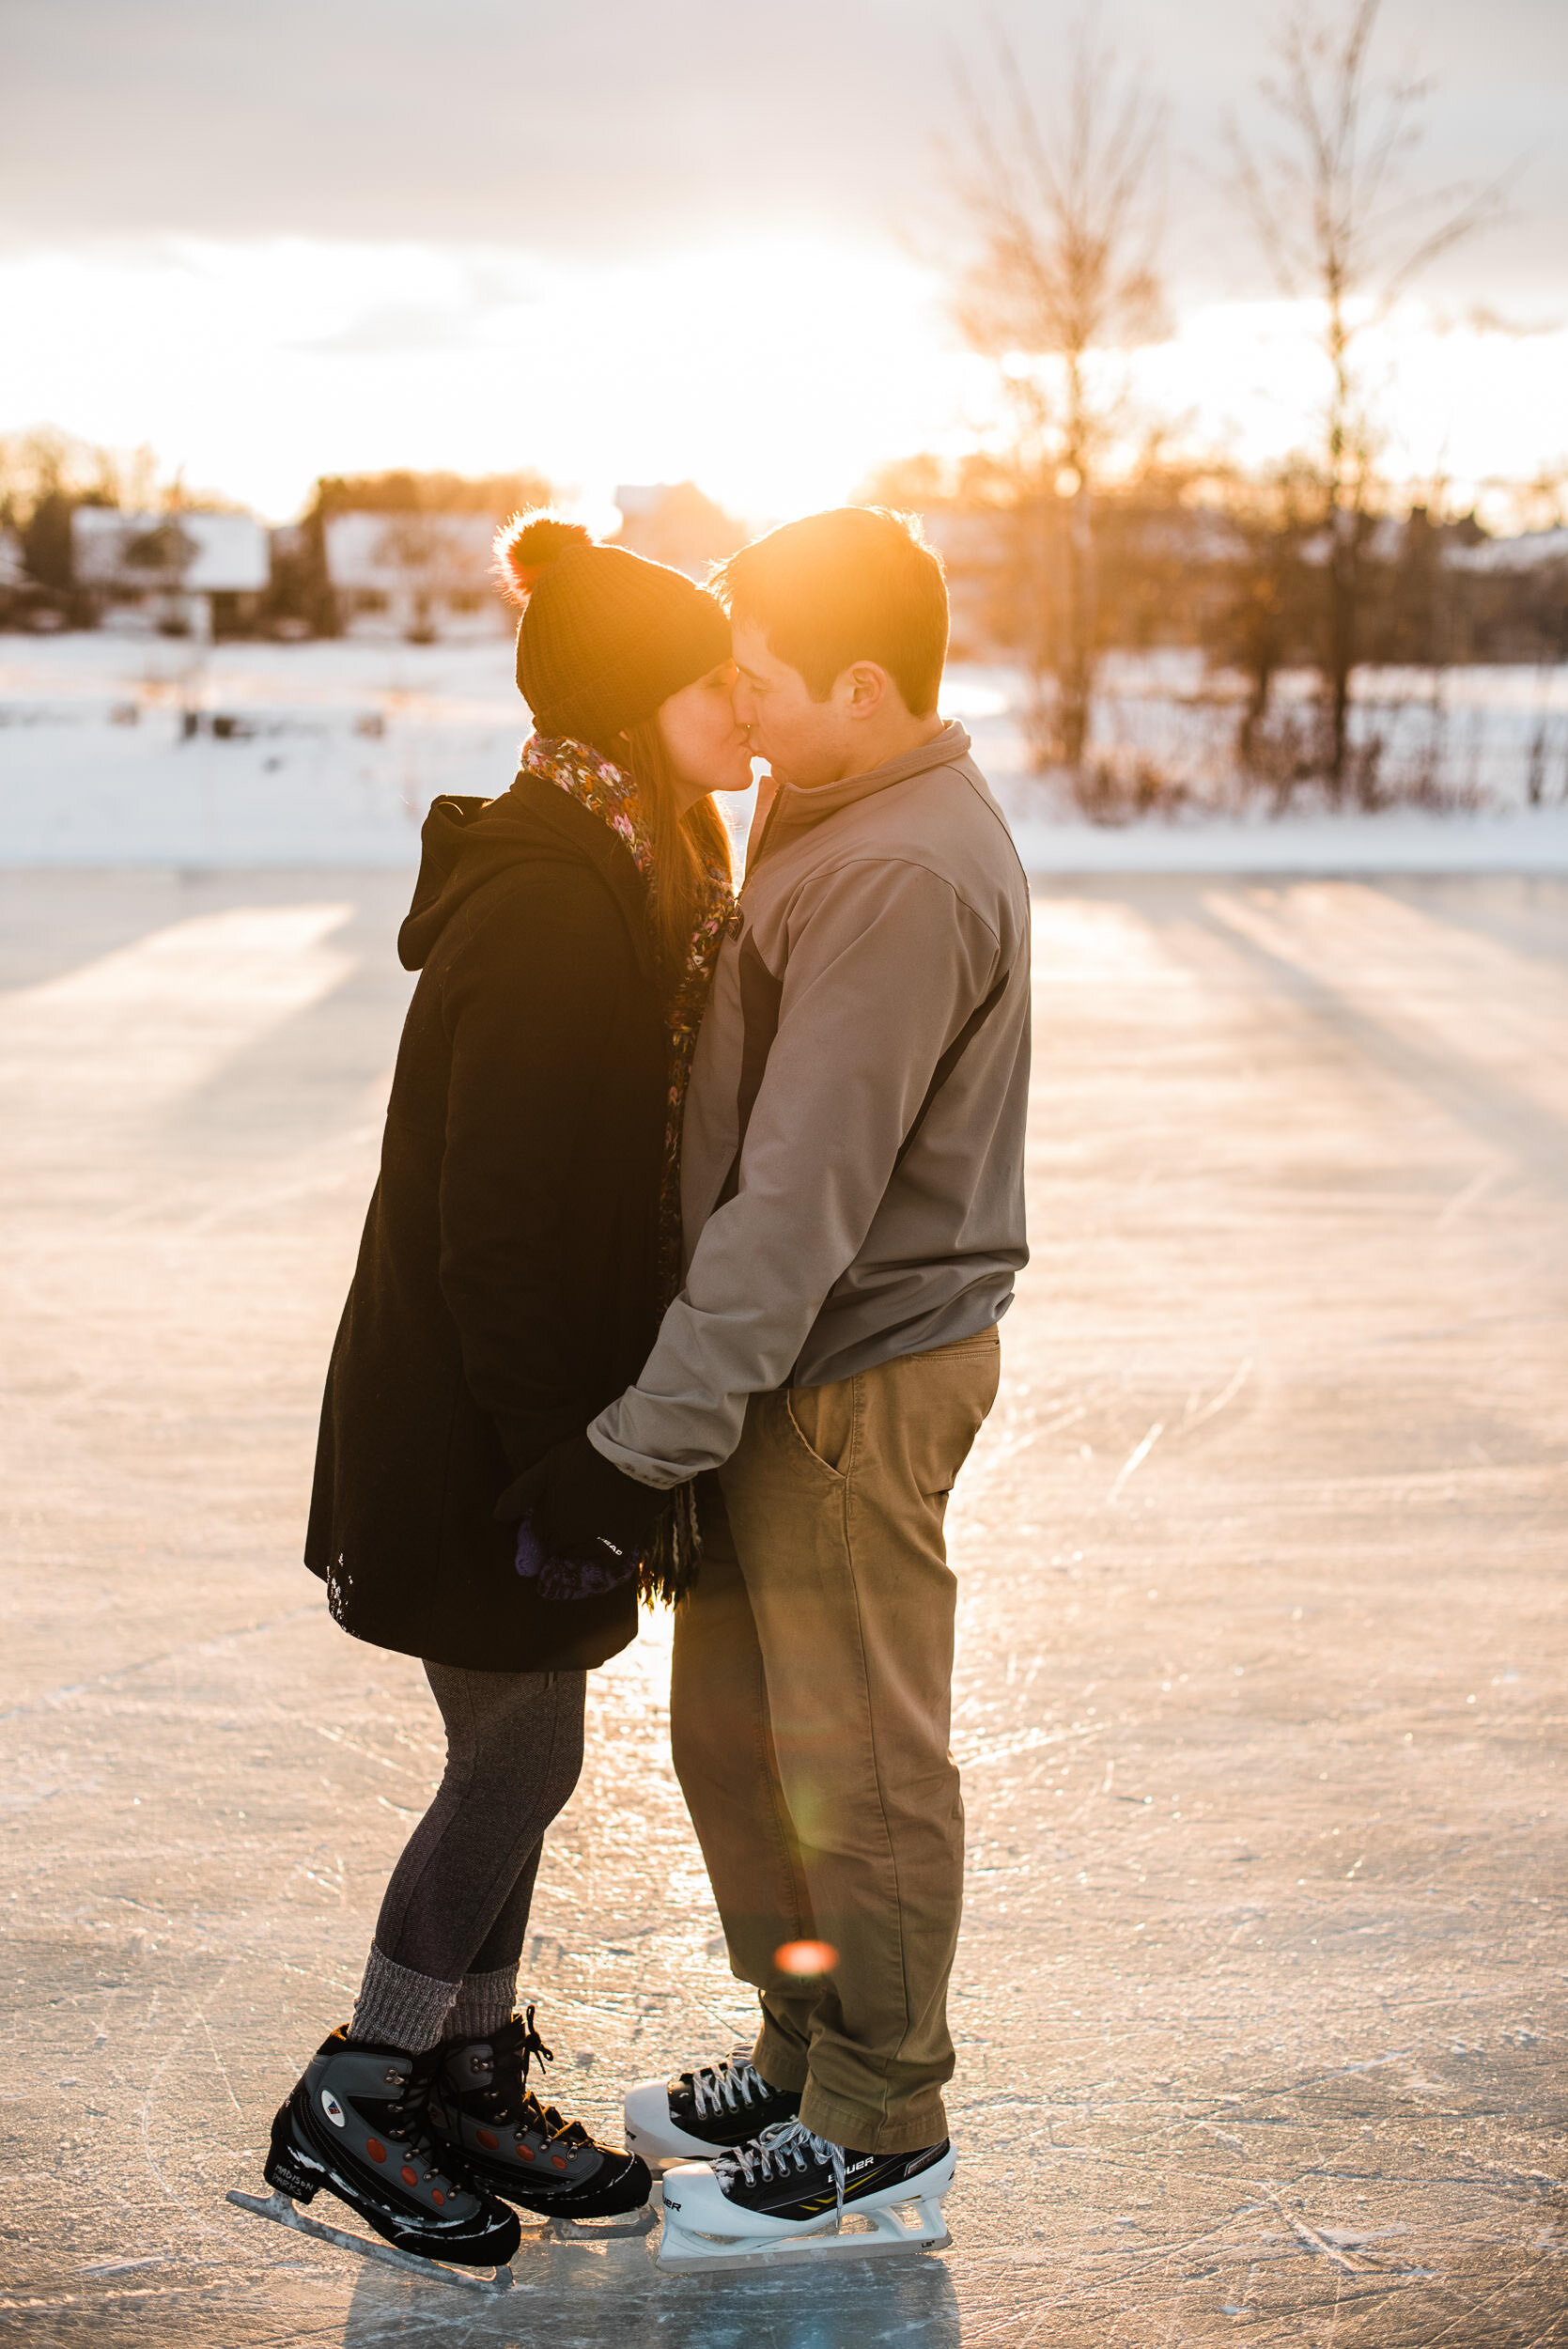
point(605, 635)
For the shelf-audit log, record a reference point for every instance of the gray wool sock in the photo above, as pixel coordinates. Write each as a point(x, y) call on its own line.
point(401, 2009)
point(484, 2004)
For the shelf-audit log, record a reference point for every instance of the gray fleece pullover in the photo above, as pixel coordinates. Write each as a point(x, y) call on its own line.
point(852, 1157)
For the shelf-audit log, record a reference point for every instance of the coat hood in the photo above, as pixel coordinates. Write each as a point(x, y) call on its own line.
point(467, 843)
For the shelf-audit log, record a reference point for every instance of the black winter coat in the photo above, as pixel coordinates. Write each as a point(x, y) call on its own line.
point(507, 1283)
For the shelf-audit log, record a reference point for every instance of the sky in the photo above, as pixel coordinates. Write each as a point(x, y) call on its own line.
point(619, 243)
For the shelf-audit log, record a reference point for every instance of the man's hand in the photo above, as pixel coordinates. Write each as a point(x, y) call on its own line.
point(581, 1505)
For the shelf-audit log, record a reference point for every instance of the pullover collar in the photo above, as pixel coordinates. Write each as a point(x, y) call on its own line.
point(796, 810)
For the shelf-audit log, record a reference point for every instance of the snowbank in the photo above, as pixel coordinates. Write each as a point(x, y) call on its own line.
point(1404, 840)
point(134, 752)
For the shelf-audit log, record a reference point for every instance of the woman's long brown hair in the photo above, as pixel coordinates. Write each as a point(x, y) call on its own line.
point(683, 845)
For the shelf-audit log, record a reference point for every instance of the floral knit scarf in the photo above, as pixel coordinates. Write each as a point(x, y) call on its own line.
point(608, 793)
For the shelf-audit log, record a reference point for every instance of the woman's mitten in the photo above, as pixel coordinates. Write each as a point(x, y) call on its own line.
point(566, 1579)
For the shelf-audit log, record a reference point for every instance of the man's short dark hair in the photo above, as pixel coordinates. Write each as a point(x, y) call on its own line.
point(858, 584)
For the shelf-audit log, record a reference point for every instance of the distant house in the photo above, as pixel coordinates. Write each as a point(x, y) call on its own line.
point(1531, 550)
point(23, 603)
point(1514, 597)
point(13, 572)
point(183, 574)
point(419, 576)
point(675, 522)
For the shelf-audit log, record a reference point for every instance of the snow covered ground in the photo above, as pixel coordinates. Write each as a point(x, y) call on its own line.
point(123, 752)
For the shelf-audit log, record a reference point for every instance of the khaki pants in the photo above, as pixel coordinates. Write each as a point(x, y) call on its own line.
point(810, 1714)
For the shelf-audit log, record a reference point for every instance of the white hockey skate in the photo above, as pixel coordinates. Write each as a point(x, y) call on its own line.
point(707, 2110)
point(791, 2196)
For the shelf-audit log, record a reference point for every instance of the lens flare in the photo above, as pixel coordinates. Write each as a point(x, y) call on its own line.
point(805, 1957)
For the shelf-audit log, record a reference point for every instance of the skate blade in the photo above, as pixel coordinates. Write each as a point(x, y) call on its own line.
point(637, 2222)
point(282, 2212)
point(682, 2253)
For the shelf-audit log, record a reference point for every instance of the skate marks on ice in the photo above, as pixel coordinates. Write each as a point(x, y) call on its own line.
point(618, 2299)
point(1259, 2003)
point(1312, 2214)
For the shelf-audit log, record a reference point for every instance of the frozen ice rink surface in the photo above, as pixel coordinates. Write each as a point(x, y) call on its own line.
point(1260, 2005)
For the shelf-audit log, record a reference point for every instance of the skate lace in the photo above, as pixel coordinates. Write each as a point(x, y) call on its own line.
point(727, 2085)
point(783, 2145)
point(513, 2100)
point(407, 2123)
point(533, 2046)
point(511, 2092)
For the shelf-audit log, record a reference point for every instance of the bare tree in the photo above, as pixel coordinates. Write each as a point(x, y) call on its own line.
point(1338, 219)
point(1258, 624)
point(1064, 281)
point(46, 473)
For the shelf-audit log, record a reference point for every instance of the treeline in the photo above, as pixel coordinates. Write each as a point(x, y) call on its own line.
point(1070, 541)
point(1234, 566)
point(47, 477)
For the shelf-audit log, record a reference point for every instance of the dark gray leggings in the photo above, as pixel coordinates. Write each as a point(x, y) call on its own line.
point(457, 1902)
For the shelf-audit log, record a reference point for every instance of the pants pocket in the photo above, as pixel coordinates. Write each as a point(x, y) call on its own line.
point(825, 1419)
point(947, 1394)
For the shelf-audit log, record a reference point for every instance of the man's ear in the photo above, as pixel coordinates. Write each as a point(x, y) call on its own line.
point(863, 689)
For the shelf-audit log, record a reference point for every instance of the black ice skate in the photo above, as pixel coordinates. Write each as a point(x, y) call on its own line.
point(705, 2111)
point(357, 2124)
point(787, 2194)
point(497, 2131)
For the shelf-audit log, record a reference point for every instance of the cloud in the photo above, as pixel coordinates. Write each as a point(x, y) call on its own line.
point(611, 128)
point(541, 126)
point(394, 332)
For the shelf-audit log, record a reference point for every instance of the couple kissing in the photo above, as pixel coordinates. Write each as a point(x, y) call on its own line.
point(697, 1219)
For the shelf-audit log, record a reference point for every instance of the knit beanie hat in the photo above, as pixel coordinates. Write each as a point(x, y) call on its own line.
point(605, 635)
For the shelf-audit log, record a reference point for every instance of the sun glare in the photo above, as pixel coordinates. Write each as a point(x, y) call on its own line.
point(774, 374)
point(777, 374)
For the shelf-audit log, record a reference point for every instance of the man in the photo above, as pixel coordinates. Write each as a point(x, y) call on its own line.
point(852, 1188)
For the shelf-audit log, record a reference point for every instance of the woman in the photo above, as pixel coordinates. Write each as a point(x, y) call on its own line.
point(522, 1243)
